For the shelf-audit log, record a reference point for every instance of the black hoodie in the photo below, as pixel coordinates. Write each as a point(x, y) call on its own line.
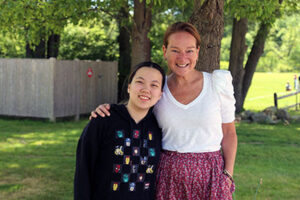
point(117, 158)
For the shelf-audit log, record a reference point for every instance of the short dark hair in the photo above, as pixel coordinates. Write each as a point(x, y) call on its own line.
point(150, 65)
point(182, 27)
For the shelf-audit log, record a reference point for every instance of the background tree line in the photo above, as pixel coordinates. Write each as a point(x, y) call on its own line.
point(131, 31)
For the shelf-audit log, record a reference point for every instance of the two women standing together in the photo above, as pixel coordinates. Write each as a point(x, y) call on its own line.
point(196, 117)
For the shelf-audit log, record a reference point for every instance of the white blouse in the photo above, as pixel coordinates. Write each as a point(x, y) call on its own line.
point(197, 126)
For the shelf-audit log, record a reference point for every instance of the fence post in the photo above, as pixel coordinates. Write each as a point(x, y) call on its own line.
point(52, 116)
point(296, 101)
point(275, 100)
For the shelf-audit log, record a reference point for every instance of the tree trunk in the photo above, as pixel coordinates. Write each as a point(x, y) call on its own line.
point(208, 18)
point(252, 61)
point(124, 51)
point(237, 53)
point(253, 58)
point(37, 51)
point(141, 26)
point(53, 45)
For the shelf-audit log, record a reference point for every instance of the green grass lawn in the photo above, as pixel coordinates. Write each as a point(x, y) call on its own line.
point(37, 160)
point(263, 87)
point(271, 153)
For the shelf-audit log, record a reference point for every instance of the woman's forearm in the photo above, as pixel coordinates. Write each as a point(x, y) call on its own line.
point(229, 146)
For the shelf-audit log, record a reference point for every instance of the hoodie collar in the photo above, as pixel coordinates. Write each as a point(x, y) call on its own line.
point(123, 112)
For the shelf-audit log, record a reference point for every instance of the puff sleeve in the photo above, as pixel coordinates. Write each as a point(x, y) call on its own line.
point(222, 83)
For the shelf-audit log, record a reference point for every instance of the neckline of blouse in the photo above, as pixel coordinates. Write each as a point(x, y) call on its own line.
point(196, 100)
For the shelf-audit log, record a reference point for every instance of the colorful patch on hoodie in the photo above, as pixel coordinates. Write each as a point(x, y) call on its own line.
point(119, 134)
point(136, 134)
point(115, 186)
point(119, 150)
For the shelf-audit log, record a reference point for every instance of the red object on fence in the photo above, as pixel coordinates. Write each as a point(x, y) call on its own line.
point(89, 72)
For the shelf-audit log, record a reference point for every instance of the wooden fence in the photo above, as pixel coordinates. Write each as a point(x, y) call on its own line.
point(276, 98)
point(50, 88)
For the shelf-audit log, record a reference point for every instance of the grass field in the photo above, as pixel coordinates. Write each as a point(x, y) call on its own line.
point(271, 153)
point(263, 87)
point(37, 158)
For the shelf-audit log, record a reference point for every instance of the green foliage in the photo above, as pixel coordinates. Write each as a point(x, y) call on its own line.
point(260, 10)
point(11, 45)
point(282, 49)
point(37, 19)
point(225, 48)
point(291, 6)
point(89, 40)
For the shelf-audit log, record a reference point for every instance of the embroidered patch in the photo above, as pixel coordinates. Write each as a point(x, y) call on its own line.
point(140, 177)
point(136, 134)
point(151, 152)
point(150, 136)
point(135, 151)
point(149, 169)
point(144, 160)
point(126, 160)
point(119, 150)
point(145, 143)
point(115, 186)
point(127, 142)
point(146, 185)
point(132, 187)
point(119, 134)
point(125, 178)
point(117, 168)
point(134, 169)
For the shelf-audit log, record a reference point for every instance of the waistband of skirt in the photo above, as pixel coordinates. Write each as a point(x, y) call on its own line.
point(203, 155)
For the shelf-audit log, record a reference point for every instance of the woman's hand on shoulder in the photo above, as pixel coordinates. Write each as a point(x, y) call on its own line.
point(102, 110)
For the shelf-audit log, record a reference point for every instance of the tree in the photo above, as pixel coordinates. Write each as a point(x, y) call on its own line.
point(266, 12)
point(142, 19)
point(41, 22)
point(53, 45)
point(207, 16)
point(124, 63)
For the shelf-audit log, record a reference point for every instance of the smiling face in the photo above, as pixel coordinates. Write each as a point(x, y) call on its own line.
point(145, 88)
point(181, 53)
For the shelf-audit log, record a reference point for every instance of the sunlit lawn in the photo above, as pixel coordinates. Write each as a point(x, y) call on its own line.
point(263, 87)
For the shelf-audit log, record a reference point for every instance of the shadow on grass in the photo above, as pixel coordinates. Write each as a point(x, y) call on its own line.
point(39, 155)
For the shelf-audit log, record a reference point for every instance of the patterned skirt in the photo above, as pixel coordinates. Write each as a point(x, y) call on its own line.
point(192, 176)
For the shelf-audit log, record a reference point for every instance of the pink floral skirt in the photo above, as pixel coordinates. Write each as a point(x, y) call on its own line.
point(192, 176)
